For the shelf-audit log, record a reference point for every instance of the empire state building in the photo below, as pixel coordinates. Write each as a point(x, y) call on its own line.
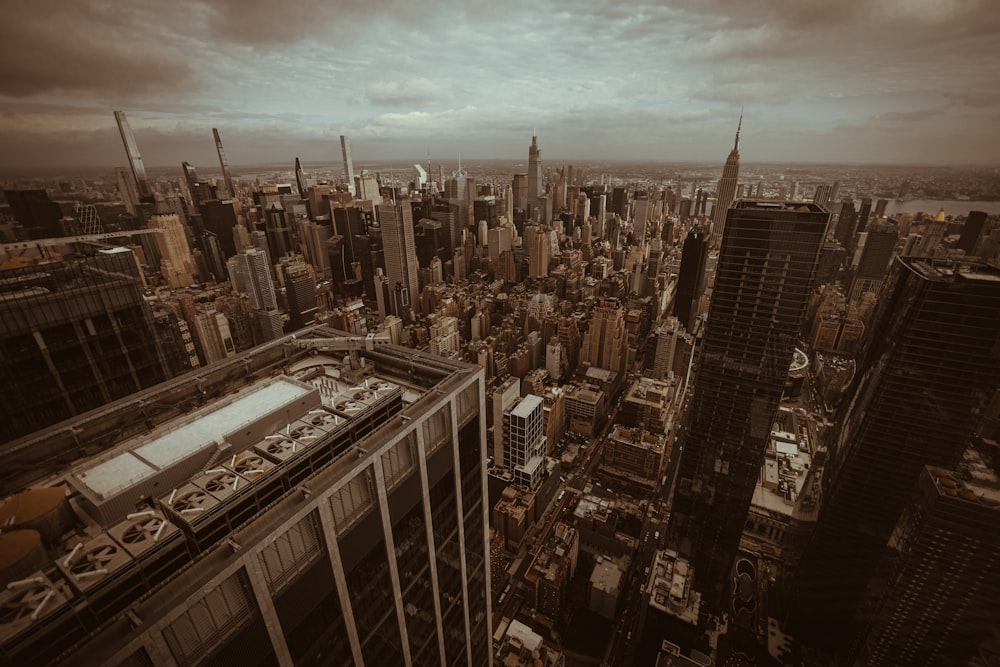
point(727, 185)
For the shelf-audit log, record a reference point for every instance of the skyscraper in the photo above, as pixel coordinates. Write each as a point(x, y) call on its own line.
point(923, 381)
point(176, 263)
point(524, 441)
point(874, 257)
point(935, 594)
point(76, 334)
point(691, 277)
point(38, 215)
point(727, 185)
point(972, 230)
point(300, 288)
point(301, 520)
point(765, 275)
point(224, 163)
point(863, 213)
point(846, 222)
point(605, 342)
point(345, 150)
point(535, 184)
point(250, 274)
point(396, 221)
point(134, 158)
point(519, 188)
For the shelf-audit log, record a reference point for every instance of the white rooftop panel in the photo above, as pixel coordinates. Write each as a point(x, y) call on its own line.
point(183, 441)
point(115, 474)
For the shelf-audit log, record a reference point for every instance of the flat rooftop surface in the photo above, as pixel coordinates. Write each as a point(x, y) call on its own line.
point(126, 468)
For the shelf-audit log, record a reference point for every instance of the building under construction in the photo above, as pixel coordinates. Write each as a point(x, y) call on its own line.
point(317, 500)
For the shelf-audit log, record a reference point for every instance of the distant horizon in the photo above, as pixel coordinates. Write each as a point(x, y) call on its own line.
point(546, 164)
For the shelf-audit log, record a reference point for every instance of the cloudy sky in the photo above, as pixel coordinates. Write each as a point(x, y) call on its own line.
point(822, 81)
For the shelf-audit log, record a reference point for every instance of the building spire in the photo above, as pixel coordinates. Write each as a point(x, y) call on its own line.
point(736, 146)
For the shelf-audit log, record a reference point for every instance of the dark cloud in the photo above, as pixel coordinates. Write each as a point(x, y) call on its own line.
point(52, 46)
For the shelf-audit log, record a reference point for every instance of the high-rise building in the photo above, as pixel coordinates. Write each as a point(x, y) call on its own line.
point(766, 269)
point(691, 277)
point(536, 239)
point(524, 441)
point(400, 252)
point(935, 594)
point(333, 517)
point(666, 344)
point(972, 231)
point(924, 380)
point(215, 339)
point(874, 257)
point(519, 188)
point(368, 189)
point(880, 207)
point(250, 274)
point(300, 287)
point(535, 185)
point(846, 222)
point(224, 163)
point(345, 151)
point(176, 263)
point(863, 214)
point(134, 158)
point(604, 344)
point(727, 185)
point(77, 333)
point(38, 215)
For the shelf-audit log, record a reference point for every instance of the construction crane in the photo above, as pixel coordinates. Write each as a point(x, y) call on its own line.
point(21, 246)
point(350, 344)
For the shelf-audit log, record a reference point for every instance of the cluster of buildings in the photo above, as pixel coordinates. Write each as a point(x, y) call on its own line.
point(280, 423)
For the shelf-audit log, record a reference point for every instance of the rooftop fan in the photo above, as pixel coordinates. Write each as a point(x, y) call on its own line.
point(28, 603)
point(222, 482)
point(190, 502)
point(93, 561)
point(251, 465)
point(146, 529)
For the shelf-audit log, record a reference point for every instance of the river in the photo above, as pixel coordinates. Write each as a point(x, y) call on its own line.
point(932, 206)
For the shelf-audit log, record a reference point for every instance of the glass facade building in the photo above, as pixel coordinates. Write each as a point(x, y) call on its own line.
point(929, 370)
point(75, 333)
point(765, 275)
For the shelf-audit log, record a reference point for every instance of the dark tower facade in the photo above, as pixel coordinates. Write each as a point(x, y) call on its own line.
point(936, 592)
point(766, 271)
point(39, 216)
point(971, 232)
point(691, 277)
point(924, 382)
point(75, 334)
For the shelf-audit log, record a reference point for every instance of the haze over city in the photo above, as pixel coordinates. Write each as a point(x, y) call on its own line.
point(906, 81)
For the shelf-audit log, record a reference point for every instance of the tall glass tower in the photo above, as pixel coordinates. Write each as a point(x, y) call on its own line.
point(766, 271)
point(924, 382)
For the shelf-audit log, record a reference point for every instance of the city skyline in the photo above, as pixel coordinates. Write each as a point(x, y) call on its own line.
point(904, 82)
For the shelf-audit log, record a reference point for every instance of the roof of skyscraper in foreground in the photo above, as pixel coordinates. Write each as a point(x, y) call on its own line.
point(143, 503)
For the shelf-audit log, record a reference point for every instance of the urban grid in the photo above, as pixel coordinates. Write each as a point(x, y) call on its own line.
point(510, 413)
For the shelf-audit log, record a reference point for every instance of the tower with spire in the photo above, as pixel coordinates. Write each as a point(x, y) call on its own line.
point(534, 173)
point(727, 185)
